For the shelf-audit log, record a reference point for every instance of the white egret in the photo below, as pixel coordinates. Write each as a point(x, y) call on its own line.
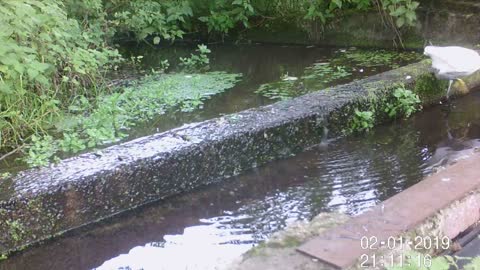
point(453, 62)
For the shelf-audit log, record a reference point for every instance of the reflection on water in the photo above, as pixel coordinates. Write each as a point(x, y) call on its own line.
point(207, 228)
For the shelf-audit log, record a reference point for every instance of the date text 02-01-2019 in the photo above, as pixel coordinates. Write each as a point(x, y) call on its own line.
point(391, 243)
point(417, 243)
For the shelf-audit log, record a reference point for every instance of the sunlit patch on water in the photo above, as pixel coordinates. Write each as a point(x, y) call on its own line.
point(191, 250)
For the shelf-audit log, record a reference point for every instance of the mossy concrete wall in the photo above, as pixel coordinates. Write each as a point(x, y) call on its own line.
point(41, 203)
point(442, 22)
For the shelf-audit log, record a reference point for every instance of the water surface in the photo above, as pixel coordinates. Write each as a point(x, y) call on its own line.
point(259, 65)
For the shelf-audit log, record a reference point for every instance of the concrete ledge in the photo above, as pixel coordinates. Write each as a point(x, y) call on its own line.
point(41, 203)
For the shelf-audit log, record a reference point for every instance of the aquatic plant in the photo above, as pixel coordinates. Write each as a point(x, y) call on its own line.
point(325, 73)
point(315, 77)
point(369, 58)
point(108, 118)
point(281, 90)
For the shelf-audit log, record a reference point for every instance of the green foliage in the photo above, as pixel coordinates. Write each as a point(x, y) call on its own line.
point(164, 65)
point(55, 55)
point(159, 19)
point(404, 103)
point(303, 11)
point(41, 151)
point(402, 10)
point(116, 113)
point(362, 121)
point(3, 257)
point(72, 143)
point(171, 19)
point(45, 59)
point(226, 14)
point(196, 62)
point(321, 75)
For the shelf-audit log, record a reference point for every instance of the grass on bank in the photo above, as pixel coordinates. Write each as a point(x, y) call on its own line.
point(86, 125)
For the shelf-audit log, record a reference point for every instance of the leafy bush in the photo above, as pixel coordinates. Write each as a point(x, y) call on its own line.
point(402, 10)
point(226, 14)
point(160, 19)
point(45, 59)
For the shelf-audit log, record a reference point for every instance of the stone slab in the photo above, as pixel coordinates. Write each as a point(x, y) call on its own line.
point(403, 212)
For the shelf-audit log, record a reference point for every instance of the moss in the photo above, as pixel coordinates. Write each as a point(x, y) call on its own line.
point(287, 241)
point(16, 230)
point(256, 251)
point(413, 42)
point(429, 88)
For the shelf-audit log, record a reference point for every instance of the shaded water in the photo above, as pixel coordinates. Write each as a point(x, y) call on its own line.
point(259, 64)
point(207, 228)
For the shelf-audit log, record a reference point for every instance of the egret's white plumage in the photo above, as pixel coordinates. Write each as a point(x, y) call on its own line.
point(453, 62)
